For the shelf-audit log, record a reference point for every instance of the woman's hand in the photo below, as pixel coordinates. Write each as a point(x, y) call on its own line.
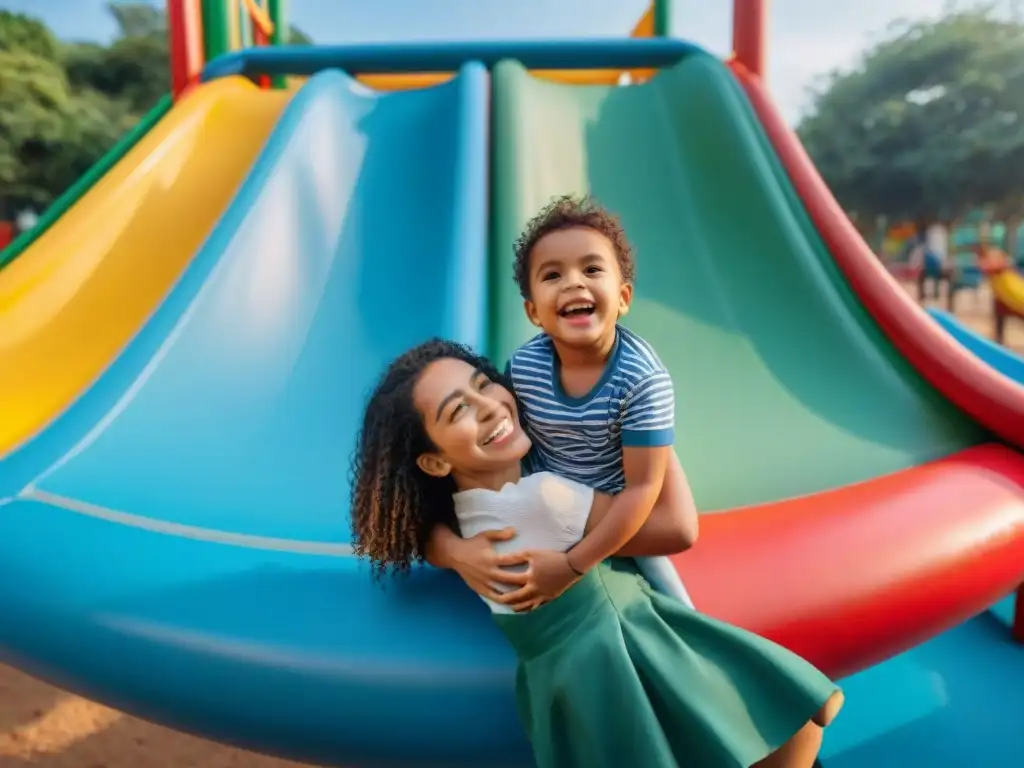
point(478, 565)
point(548, 576)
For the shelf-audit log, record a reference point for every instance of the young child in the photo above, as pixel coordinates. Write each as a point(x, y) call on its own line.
point(595, 399)
point(610, 673)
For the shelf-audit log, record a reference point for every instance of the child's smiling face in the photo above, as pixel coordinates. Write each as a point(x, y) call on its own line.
point(577, 293)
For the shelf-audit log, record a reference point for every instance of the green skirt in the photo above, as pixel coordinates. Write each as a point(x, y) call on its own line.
point(613, 673)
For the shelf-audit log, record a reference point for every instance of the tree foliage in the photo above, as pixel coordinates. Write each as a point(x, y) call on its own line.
point(63, 105)
point(929, 123)
point(23, 33)
point(50, 132)
point(297, 37)
point(137, 19)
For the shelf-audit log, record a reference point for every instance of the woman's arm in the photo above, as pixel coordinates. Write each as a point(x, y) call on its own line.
point(671, 527)
point(475, 559)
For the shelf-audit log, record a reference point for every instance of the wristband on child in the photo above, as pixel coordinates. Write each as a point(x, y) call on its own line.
point(573, 567)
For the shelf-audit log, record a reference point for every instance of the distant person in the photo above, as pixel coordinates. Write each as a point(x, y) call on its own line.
point(928, 253)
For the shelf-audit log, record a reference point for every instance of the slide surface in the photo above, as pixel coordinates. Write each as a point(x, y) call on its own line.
point(71, 302)
point(216, 591)
point(798, 422)
point(1004, 360)
point(784, 386)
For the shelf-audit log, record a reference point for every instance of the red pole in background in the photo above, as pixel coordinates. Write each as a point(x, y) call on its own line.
point(749, 34)
point(178, 44)
point(184, 29)
point(260, 38)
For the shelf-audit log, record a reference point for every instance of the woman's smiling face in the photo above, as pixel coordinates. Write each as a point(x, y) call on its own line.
point(472, 421)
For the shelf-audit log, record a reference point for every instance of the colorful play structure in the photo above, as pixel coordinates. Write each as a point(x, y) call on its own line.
point(188, 336)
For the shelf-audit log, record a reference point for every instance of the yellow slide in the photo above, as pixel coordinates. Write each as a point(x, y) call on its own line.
point(74, 299)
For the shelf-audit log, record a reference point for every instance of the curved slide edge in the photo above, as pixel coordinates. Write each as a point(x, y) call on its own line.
point(361, 230)
point(74, 300)
point(994, 401)
point(876, 567)
point(999, 358)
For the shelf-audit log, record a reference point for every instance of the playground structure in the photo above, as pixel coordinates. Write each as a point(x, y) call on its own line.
point(973, 258)
point(195, 326)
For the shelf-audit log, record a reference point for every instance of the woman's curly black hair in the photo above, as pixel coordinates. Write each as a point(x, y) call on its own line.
point(394, 504)
point(566, 212)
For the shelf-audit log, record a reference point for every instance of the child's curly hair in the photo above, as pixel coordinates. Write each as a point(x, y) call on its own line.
point(394, 504)
point(566, 212)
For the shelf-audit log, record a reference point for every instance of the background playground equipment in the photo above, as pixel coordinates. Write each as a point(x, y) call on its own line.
point(961, 270)
point(1007, 288)
point(191, 430)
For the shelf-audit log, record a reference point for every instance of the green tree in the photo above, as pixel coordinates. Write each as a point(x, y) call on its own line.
point(62, 106)
point(297, 37)
point(32, 93)
point(135, 67)
point(50, 131)
point(22, 33)
point(929, 123)
point(139, 19)
point(49, 135)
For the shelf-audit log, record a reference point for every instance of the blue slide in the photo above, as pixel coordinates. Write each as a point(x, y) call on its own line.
point(1007, 362)
point(188, 559)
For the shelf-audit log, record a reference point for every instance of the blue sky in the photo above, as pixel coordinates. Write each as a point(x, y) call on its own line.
point(807, 37)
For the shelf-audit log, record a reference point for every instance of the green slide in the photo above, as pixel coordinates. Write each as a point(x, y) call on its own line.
point(784, 385)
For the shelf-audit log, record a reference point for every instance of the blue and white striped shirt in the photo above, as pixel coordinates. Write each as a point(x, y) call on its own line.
point(582, 437)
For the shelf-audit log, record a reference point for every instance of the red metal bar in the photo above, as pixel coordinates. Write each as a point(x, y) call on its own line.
point(185, 32)
point(749, 32)
point(177, 30)
point(261, 38)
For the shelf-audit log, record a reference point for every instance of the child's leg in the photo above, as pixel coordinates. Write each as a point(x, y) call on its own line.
point(802, 750)
point(662, 575)
point(828, 712)
point(799, 752)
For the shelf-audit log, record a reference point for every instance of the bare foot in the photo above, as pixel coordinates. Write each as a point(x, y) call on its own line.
point(828, 712)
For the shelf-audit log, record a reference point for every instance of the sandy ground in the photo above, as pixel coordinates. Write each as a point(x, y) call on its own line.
point(46, 728)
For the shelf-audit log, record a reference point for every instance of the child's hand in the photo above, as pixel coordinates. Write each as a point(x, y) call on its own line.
point(548, 576)
point(478, 565)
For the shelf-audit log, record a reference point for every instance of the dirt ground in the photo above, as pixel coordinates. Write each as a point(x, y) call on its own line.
point(45, 728)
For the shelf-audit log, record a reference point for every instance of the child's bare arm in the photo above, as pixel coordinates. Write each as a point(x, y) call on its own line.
point(672, 525)
point(645, 474)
